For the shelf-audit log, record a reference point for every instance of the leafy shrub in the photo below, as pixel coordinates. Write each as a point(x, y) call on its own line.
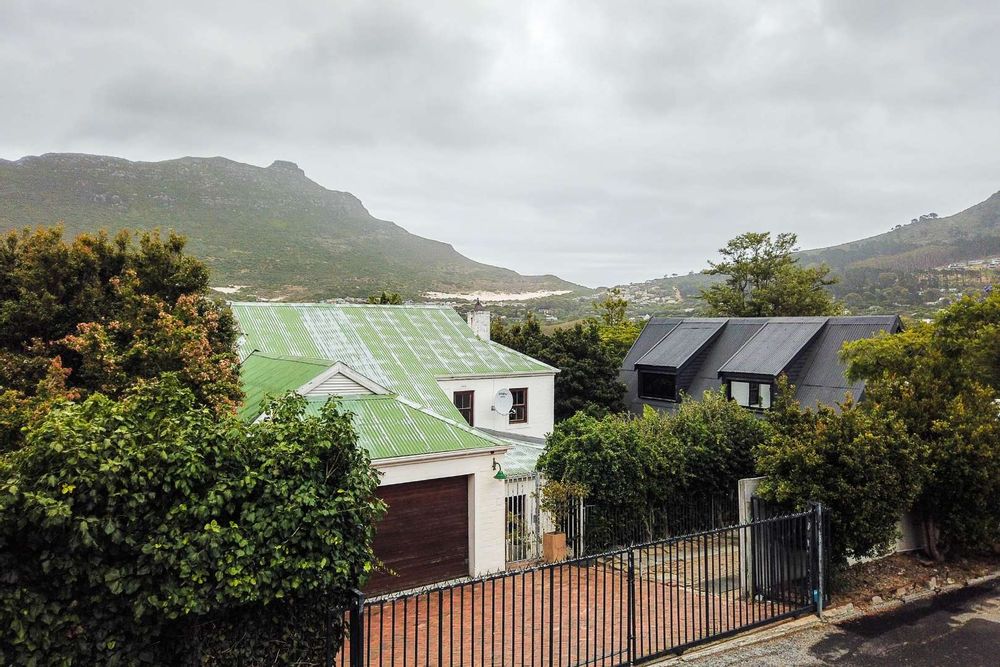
point(635, 469)
point(943, 380)
point(859, 463)
point(151, 530)
point(97, 313)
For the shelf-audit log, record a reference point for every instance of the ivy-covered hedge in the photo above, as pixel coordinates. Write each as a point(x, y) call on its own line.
point(151, 531)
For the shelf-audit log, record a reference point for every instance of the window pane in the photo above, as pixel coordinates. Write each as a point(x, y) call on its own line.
point(464, 401)
point(765, 396)
point(740, 391)
point(519, 412)
point(660, 386)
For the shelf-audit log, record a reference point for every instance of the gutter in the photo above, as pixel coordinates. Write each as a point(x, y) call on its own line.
point(437, 456)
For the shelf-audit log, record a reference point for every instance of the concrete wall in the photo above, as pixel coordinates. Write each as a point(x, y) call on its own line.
point(487, 520)
point(541, 402)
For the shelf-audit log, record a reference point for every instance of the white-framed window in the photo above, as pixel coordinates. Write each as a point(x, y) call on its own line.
point(751, 394)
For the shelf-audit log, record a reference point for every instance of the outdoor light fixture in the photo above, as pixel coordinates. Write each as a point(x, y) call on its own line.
point(501, 475)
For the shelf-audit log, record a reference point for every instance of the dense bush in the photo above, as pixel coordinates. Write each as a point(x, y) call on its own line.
point(943, 380)
point(152, 530)
point(638, 465)
point(858, 462)
point(98, 313)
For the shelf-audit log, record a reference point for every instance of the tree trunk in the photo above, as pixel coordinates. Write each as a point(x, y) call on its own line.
point(931, 535)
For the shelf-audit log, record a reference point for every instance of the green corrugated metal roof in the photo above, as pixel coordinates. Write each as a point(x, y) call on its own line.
point(521, 458)
point(389, 426)
point(403, 348)
point(262, 375)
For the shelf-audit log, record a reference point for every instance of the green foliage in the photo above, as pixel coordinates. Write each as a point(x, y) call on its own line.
point(640, 465)
point(386, 298)
point(98, 313)
point(588, 378)
point(619, 469)
point(559, 499)
point(859, 463)
point(617, 332)
point(718, 438)
point(943, 380)
point(764, 280)
point(612, 308)
point(149, 529)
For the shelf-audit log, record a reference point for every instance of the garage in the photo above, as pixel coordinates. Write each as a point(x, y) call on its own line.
point(424, 537)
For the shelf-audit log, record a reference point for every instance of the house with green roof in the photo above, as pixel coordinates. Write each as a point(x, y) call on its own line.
point(437, 405)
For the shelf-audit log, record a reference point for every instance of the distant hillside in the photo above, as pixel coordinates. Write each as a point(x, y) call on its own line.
point(927, 243)
point(904, 270)
point(270, 229)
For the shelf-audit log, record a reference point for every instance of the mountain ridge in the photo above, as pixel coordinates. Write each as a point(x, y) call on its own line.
point(270, 228)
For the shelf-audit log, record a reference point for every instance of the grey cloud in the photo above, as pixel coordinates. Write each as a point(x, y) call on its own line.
point(605, 142)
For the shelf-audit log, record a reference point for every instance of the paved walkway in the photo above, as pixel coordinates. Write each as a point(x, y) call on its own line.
point(960, 629)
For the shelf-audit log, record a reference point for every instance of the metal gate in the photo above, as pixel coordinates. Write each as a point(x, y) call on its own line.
point(622, 607)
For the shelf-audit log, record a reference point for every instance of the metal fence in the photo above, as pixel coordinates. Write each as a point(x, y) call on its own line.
point(622, 607)
point(605, 528)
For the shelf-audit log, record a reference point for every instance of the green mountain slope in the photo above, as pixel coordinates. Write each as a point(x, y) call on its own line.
point(924, 244)
point(270, 229)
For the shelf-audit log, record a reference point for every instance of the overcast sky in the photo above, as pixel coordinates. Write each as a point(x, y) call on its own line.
point(602, 141)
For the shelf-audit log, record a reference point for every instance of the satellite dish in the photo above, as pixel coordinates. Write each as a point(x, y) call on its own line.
point(503, 402)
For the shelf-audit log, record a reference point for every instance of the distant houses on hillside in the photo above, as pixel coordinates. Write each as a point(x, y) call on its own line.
point(744, 357)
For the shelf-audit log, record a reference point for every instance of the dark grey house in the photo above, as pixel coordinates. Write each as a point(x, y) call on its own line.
point(744, 355)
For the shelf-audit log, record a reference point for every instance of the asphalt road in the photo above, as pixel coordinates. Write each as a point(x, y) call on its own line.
point(957, 628)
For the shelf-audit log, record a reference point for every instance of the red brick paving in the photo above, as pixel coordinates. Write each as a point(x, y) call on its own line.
point(571, 614)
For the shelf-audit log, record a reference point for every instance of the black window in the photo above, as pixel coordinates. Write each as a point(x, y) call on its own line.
point(754, 394)
point(464, 402)
point(658, 386)
point(519, 413)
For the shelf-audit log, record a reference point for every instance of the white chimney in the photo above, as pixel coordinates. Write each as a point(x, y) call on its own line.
point(479, 319)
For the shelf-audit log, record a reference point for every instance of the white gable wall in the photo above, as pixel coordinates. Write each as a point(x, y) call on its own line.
point(541, 402)
point(338, 385)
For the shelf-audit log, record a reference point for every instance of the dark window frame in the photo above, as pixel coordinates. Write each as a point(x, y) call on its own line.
point(471, 409)
point(650, 397)
point(517, 417)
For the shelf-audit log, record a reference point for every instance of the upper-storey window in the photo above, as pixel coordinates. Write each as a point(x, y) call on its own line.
point(464, 401)
point(657, 386)
point(519, 412)
point(751, 394)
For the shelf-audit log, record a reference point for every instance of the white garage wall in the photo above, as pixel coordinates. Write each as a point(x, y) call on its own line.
point(541, 402)
point(486, 499)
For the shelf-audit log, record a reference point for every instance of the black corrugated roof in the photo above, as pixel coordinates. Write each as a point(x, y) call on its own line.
point(759, 346)
point(654, 331)
point(823, 380)
point(773, 347)
point(682, 343)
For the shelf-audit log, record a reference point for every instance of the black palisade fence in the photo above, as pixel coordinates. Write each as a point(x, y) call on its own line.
point(621, 607)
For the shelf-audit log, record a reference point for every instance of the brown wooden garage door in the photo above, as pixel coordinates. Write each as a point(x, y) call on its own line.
point(424, 536)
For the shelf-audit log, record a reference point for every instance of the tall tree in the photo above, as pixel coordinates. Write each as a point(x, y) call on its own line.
point(764, 280)
point(98, 314)
point(588, 377)
point(617, 332)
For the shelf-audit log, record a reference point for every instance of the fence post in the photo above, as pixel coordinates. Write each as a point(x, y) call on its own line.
point(631, 606)
point(357, 628)
point(552, 621)
point(820, 574)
